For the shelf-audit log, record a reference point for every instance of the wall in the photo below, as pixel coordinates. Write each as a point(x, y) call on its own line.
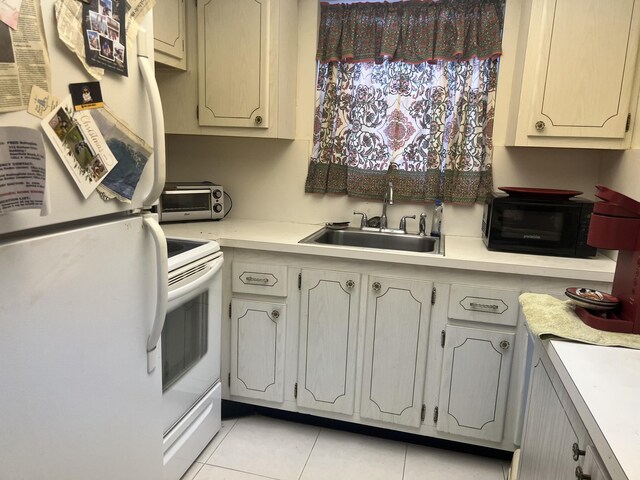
point(266, 177)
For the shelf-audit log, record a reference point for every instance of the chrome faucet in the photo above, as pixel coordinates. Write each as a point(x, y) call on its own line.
point(423, 225)
point(388, 200)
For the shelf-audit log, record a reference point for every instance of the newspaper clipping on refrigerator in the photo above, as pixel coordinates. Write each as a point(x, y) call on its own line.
point(24, 59)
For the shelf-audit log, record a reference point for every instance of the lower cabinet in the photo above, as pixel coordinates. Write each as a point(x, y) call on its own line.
point(555, 443)
point(593, 465)
point(257, 349)
point(362, 347)
point(328, 333)
point(475, 382)
point(395, 350)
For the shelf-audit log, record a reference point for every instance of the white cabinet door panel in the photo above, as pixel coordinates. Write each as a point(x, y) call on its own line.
point(395, 350)
point(548, 433)
point(475, 382)
point(328, 331)
point(257, 349)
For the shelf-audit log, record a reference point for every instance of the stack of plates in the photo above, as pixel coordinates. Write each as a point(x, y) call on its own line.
point(591, 299)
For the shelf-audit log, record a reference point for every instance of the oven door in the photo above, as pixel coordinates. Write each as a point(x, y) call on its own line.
point(190, 342)
point(546, 228)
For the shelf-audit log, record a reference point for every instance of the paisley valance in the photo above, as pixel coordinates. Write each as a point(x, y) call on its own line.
point(413, 32)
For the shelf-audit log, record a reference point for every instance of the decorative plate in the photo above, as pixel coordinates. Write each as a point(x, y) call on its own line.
point(539, 192)
point(591, 299)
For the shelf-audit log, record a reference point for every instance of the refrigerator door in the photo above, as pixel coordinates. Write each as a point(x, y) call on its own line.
point(77, 310)
point(128, 99)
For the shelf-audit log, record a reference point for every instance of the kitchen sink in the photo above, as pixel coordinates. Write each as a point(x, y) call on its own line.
point(353, 237)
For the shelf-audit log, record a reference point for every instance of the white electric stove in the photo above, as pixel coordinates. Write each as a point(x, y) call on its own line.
point(190, 351)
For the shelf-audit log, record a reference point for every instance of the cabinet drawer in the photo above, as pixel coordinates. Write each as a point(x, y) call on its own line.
point(259, 279)
point(482, 304)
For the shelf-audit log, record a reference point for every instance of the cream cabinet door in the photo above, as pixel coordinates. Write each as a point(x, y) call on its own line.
point(395, 350)
point(475, 382)
point(328, 331)
point(233, 49)
point(257, 349)
point(579, 71)
point(169, 33)
point(549, 433)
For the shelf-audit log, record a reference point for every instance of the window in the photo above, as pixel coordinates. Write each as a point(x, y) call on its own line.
point(405, 92)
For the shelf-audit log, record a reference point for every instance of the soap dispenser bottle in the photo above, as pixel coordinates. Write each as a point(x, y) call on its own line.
point(436, 222)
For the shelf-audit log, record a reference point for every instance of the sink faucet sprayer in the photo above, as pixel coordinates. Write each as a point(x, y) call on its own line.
point(388, 200)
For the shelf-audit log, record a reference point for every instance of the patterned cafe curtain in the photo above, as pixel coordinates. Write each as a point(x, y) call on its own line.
point(406, 92)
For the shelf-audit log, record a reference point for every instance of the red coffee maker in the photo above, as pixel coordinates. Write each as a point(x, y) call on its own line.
point(615, 225)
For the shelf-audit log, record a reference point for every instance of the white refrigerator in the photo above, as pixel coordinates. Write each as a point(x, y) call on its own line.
point(82, 301)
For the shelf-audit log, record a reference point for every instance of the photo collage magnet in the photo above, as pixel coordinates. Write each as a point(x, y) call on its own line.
point(105, 35)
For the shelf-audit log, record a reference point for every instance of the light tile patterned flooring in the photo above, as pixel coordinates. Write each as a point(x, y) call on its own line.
point(259, 448)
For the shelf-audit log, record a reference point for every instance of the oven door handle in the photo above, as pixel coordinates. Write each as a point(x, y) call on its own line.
point(182, 291)
point(162, 289)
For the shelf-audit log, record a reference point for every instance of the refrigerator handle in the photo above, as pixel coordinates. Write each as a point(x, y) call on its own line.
point(162, 288)
point(157, 120)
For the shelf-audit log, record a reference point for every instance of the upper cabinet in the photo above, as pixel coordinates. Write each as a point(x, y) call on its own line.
point(242, 57)
point(233, 89)
point(578, 74)
point(169, 25)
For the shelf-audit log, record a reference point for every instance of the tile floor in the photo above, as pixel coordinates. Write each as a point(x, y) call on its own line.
point(258, 448)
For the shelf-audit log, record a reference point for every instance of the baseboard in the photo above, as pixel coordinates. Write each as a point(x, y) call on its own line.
point(231, 409)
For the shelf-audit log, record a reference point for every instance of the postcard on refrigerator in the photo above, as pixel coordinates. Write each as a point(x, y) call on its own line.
point(131, 151)
point(81, 146)
point(22, 169)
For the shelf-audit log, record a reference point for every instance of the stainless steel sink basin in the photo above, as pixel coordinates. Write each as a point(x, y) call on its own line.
point(353, 237)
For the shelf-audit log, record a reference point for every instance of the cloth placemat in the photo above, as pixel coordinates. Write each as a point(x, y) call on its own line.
point(549, 317)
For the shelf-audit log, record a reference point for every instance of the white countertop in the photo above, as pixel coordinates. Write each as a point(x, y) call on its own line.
point(466, 253)
point(604, 386)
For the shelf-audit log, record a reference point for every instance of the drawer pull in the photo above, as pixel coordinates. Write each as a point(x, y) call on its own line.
point(505, 345)
point(484, 306)
point(350, 284)
point(258, 280)
point(577, 452)
point(580, 475)
point(376, 286)
point(540, 125)
point(275, 314)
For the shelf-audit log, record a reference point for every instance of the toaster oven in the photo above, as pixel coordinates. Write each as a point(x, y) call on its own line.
point(191, 201)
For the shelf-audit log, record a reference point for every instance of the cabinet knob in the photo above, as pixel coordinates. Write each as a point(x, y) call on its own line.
point(258, 120)
point(540, 125)
point(505, 345)
point(580, 475)
point(576, 451)
point(376, 286)
point(275, 314)
point(350, 284)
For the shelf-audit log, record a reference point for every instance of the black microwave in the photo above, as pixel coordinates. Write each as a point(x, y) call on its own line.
point(538, 226)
